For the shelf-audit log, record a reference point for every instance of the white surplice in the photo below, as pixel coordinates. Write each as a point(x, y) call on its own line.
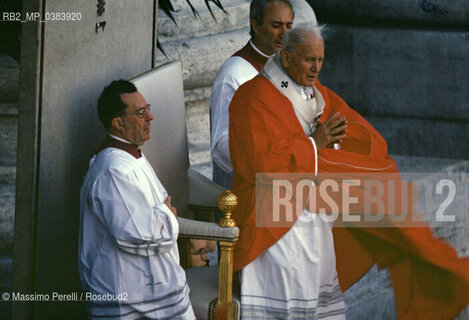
point(295, 278)
point(128, 256)
point(233, 73)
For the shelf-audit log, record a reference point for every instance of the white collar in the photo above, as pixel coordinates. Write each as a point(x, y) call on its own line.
point(118, 138)
point(303, 91)
point(307, 111)
point(257, 50)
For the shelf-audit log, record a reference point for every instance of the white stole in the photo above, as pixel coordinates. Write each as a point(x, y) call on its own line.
point(307, 111)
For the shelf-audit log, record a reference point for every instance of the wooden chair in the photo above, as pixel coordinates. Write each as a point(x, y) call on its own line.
point(167, 151)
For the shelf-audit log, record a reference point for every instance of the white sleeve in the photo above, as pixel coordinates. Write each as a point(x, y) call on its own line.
point(123, 208)
point(233, 73)
point(315, 156)
point(220, 100)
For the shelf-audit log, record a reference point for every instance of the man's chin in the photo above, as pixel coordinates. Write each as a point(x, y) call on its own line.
point(310, 82)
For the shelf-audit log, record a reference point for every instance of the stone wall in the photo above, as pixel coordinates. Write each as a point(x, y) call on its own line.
point(9, 89)
point(403, 64)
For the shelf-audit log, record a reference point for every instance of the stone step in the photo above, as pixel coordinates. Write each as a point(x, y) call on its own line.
point(202, 56)
point(205, 169)
point(6, 265)
point(9, 79)
point(198, 131)
point(435, 12)
point(188, 26)
point(7, 205)
point(426, 138)
point(195, 94)
point(400, 73)
point(8, 133)
point(200, 157)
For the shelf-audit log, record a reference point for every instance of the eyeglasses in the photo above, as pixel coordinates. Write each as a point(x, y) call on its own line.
point(140, 112)
point(203, 253)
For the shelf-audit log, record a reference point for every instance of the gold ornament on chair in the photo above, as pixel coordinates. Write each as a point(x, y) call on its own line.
point(227, 202)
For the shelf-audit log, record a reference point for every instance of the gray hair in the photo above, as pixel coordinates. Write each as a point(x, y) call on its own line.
point(294, 37)
point(258, 9)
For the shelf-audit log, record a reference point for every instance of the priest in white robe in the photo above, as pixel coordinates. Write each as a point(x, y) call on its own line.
point(269, 20)
point(128, 257)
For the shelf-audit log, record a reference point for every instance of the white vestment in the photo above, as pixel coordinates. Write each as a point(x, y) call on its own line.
point(295, 278)
point(233, 73)
point(128, 257)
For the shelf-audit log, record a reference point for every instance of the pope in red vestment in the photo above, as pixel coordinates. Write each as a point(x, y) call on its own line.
point(429, 280)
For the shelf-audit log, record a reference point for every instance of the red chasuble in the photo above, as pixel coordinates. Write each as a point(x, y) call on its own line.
point(429, 281)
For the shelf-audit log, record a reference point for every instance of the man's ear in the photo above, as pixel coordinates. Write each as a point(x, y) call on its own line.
point(254, 26)
point(117, 123)
point(285, 56)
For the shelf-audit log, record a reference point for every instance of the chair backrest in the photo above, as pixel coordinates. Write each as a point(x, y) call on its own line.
point(167, 148)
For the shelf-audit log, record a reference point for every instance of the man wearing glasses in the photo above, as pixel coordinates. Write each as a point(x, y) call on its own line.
point(128, 258)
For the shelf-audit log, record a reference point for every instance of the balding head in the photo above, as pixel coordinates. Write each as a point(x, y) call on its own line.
point(302, 54)
point(299, 35)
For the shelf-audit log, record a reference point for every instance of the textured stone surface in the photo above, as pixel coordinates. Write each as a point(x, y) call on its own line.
point(198, 131)
point(202, 57)
point(9, 79)
point(427, 138)
point(399, 72)
point(203, 54)
point(8, 134)
point(6, 264)
point(436, 12)
point(7, 206)
point(188, 26)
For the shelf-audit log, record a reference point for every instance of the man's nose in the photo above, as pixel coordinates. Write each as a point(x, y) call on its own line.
point(315, 66)
point(149, 116)
point(283, 29)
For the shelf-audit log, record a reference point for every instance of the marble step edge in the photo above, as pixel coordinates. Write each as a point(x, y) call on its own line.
point(197, 94)
point(444, 165)
point(8, 172)
point(188, 26)
point(8, 176)
point(200, 157)
point(8, 109)
point(202, 57)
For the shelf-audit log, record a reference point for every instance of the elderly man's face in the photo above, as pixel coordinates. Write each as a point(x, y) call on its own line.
point(278, 20)
point(304, 64)
point(135, 126)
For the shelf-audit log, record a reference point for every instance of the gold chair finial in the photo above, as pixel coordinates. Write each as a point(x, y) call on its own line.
point(227, 202)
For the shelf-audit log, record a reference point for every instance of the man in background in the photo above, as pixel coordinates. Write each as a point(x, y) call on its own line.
point(269, 21)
